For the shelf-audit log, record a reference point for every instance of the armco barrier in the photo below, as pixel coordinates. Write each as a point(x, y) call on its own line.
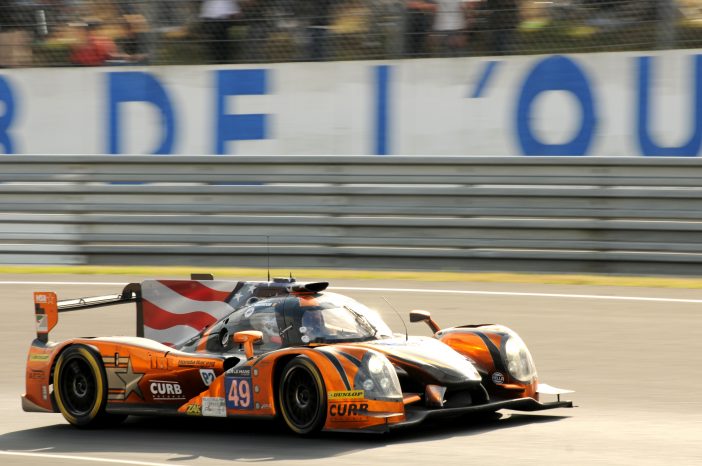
point(616, 215)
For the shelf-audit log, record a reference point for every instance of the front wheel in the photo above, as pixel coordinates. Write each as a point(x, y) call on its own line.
point(80, 388)
point(302, 395)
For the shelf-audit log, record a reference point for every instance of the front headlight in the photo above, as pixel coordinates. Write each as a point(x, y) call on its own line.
point(520, 365)
point(375, 364)
point(377, 378)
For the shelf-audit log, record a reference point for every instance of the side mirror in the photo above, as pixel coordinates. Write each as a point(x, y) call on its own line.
point(248, 338)
point(424, 316)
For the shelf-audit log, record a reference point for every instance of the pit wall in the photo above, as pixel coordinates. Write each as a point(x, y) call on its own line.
point(614, 104)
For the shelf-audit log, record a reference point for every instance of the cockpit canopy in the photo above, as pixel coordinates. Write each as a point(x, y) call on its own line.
point(295, 319)
point(332, 318)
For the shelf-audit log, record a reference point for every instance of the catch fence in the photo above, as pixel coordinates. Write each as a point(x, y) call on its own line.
point(142, 32)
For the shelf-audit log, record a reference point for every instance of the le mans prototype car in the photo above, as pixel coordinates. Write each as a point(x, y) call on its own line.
point(276, 349)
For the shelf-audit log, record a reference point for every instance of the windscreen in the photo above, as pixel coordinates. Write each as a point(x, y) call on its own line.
point(333, 318)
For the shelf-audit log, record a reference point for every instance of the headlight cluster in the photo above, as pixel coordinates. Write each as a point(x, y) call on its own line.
point(520, 365)
point(377, 378)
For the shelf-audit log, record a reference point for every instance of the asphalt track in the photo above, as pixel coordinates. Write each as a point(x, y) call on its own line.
point(633, 355)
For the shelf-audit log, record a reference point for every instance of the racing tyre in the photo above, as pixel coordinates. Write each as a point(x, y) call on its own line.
point(302, 396)
point(80, 388)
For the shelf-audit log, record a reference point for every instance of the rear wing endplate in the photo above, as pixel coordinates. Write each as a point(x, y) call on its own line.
point(47, 307)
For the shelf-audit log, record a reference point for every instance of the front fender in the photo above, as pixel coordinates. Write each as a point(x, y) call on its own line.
point(484, 345)
point(348, 407)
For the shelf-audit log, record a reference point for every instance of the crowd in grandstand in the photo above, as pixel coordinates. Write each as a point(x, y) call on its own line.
point(99, 32)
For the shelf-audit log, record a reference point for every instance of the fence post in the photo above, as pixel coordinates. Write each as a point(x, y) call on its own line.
point(666, 12)
point(149, 9)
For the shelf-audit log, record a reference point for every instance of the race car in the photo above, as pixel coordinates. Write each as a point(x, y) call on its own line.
point(276, 349)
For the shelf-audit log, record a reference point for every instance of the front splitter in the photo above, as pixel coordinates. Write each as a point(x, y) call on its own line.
point(416, 415)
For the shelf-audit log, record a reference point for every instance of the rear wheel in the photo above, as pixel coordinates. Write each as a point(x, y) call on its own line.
point(302, 395)
point(80, 388)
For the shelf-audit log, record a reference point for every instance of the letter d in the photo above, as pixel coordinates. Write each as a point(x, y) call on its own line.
point(137, 86)
point(7, 97)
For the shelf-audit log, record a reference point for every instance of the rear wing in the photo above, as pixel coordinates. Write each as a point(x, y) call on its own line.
point(172, 311)
point(47, 307)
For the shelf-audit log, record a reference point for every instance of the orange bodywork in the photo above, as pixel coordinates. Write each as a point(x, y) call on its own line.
point(347, 409)
point(137, 375)
point(499, 384)
point(143, 375)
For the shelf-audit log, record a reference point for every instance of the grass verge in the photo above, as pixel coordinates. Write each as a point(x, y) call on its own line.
point(318, 274)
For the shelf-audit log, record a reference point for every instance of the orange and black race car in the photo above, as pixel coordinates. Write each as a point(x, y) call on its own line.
point(277, 349)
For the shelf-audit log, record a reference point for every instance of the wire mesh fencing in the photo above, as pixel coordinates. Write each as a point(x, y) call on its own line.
point(115, 32)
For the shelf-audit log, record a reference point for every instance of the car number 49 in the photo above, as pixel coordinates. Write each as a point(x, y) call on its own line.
point(239, 393)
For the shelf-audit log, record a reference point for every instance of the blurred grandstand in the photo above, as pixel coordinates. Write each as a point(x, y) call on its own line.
point(114, 32)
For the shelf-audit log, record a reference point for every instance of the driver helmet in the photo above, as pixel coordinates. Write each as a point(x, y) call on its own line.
point(312, 325)
point(265, 323)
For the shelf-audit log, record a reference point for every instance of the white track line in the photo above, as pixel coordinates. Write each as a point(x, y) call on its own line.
point(419, 290)
point(539, 295)
point(93, 459)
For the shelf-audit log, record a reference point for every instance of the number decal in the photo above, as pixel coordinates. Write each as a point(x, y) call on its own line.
point(238, 393)
point(208, 376)
point(245, 393)
point(233, 396)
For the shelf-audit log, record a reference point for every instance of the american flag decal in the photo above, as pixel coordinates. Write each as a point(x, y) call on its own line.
point(175, 310)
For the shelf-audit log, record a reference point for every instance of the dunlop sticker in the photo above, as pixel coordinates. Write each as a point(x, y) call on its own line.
point(38, 357)
point(346, 395)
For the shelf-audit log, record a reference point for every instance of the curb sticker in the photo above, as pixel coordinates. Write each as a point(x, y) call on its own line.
point(348, 409)
point(498, 378)
point(166, 390)
point(214, 407)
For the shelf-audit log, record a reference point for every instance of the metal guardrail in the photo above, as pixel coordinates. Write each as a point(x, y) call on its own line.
point(616, 215)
